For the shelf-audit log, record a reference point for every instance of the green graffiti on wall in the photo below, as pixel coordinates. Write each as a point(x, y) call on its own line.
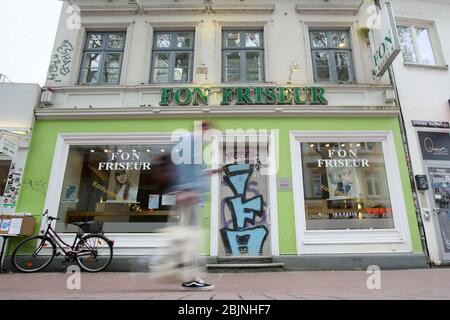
point(60, 62)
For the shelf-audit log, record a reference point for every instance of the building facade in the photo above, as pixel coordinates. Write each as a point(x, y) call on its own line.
point(17, 103)
point(315, 174)
point(422, 78)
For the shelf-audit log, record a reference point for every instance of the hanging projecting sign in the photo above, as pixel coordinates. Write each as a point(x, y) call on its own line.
point(384, 40)
point(9, 146)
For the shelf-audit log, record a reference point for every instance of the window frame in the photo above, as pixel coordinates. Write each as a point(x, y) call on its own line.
point(172, 51)
point(419, 60)
point(356, 240)
point(331, 54)
point(435, 40)
point(126, 243)
point(242, 50)
point(103, 51)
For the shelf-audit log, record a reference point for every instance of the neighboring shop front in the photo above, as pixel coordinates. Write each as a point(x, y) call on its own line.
point(433, 187)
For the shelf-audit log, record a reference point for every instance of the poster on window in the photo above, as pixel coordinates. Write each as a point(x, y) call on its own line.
point(342, 183)
point(125, 186)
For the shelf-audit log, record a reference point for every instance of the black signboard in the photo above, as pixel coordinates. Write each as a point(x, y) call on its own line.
point(431, 124)
point(435, 145)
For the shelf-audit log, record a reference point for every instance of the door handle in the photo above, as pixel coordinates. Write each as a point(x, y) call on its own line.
point(268, 215)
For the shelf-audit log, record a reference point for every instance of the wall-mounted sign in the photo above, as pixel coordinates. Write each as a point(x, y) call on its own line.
point(384, 40)
point(421, 182)
point(435, 145)
point(284, 184)
point(431, 124)
point(9, 146)
point(246, 96)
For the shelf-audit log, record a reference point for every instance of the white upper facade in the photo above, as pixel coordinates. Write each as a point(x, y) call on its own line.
point(287, 56)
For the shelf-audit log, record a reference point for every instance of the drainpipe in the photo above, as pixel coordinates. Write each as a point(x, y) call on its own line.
point(408, 158)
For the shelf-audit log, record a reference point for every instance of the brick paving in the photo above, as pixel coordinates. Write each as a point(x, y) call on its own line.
point(399, 284)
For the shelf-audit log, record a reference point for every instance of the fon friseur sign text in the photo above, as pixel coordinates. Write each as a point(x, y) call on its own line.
point(246, 96)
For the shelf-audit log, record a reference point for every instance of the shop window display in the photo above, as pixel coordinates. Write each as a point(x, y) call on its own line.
point(353, 191)
point(118, 185)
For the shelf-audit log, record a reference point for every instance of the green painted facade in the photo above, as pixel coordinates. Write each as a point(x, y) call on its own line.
point(42, 147)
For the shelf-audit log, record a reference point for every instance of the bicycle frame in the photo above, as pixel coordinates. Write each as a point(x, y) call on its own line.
point(52, 234)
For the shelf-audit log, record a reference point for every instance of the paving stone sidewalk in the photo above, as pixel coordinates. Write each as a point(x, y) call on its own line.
point(401, 284)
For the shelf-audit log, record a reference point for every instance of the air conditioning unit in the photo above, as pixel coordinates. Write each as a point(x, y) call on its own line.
point(47, 97)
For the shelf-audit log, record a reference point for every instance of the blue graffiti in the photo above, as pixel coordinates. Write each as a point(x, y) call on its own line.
point(244, 238)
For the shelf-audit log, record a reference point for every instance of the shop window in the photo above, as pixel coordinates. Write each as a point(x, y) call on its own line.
point(242, 56)
point(354, 189)
point(417, 45)
point(119, 185)
point(4, 172)
point(332, 56)
point(102, 58)
point(173, 54)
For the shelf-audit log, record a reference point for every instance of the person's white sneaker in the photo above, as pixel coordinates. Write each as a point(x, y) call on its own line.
point(196, 285)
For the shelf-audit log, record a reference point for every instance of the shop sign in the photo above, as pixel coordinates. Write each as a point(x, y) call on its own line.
point(435, 145)
point(343, 159)
point(124, 161)
point(384, 41)
point(431, 124)
point(246, 96)
point(9, 146)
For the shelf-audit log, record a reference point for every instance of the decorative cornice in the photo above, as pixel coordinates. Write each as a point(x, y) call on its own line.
point(213, 111)
point(175, 9)
point(342, 7)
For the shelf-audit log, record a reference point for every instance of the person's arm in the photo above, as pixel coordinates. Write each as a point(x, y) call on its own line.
point(212, 171)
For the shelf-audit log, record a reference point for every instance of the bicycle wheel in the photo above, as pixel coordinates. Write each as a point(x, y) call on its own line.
point(33, 254)
point(94, 253)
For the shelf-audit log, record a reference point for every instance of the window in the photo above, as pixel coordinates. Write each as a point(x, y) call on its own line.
point(172, 57)
point(243, 56)
point(332, 56)
point(373, 184)
point(119, 185)
point(354, 193)
point(4, 172)
point(102, 58)
point(416, 45)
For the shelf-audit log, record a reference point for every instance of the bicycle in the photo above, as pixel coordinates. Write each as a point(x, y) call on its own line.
point(91, 249)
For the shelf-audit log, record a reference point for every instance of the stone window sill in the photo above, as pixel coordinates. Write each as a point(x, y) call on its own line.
point(427, 66)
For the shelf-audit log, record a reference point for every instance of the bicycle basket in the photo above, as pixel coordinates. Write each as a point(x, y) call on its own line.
point(92, 227)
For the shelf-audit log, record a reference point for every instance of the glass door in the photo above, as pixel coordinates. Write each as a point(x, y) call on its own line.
point(244, 217)
point(440, 187)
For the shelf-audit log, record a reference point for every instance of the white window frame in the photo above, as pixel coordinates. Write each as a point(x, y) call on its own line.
point(434, 39)
point(124, 243)
point(350, 241)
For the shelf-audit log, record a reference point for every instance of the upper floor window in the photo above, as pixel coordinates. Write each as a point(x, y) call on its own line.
point(102, 58)
point(173, 54)
point(416, 45)
point(332, 56)
point(243, 56)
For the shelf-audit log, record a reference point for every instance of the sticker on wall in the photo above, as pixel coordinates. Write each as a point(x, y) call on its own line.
point(11, 190)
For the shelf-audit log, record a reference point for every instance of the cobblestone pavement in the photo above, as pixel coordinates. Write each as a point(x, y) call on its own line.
point(404, 284)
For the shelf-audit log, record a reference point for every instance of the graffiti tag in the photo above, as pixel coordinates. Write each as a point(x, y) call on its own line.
point(244, 238)
point(60, 62)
